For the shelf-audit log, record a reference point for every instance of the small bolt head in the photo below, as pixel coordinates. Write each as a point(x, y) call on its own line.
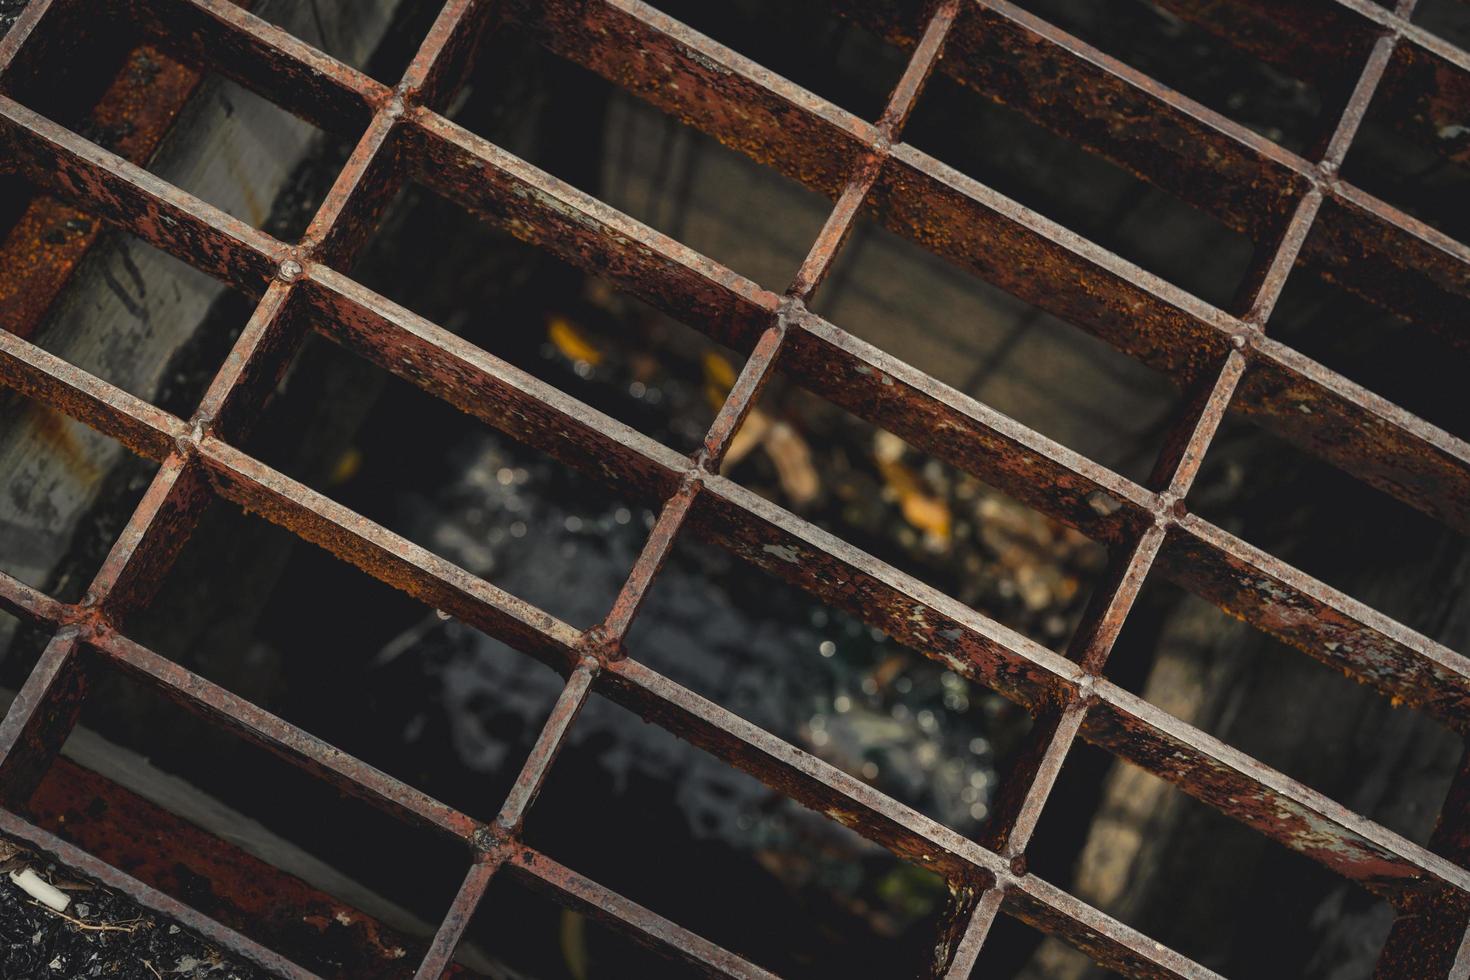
point(289, 271)
point(1018, 865)
point(1238, 341)
point(1170, 506)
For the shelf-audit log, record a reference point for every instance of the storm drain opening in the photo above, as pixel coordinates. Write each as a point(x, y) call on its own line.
point(596, 488)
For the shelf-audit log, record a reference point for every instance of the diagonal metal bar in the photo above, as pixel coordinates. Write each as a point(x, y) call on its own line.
point(71, 856)
point(41, 717)
point(1301, 208)
point(467, 900)
point(840, 574)
point(217, 35)
point(533, 774)
point(590, 898)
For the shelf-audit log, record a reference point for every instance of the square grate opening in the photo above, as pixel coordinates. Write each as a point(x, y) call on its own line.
point(866, 705)
point(806, 897)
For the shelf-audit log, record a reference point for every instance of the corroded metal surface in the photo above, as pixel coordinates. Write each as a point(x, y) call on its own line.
point(46, 244)
point(1295, 207)
point(215, 876)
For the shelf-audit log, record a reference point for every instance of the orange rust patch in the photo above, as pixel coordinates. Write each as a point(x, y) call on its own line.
point(42, 250)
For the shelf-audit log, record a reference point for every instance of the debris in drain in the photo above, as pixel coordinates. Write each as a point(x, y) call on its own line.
point(40, 889)
point(103, 933)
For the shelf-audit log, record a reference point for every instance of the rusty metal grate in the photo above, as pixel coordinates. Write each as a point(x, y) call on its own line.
point(1223, 358)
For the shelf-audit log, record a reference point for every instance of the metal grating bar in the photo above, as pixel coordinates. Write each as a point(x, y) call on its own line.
point(74, 857)
point(1223, 357)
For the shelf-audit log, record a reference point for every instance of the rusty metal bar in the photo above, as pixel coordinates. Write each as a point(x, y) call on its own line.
point(757, 371)
point(400, 563)
point(446, 54)
point(51, 238)
point(773, 538)
point(961, 961)
point(111, 188)
point(48, 379)
point(548, 213)
point(329, 764)
point(1428, 937)
point(1124, 950)
point(1224, 359)
point(29, 604)
point(490, 389)
point(510, 818)
point(607, 637)
point(543, 753)
point(706, 85)
point(1189, 437)
point(246, 894)
point(1408, 268)
point(834, 232)
point(1015, 58)
point(71, 856)
point(1316, 619)
point(222, 36)
point(1174, 472)
point(41, 717)
point(1357, 105)
point(155, 533)
point(253, 366)
point(653, 930)
point(353, 207)
point(957, 217)
point(20, 32)
point(440, 955)
point(1427, 79)
point(1033, 776)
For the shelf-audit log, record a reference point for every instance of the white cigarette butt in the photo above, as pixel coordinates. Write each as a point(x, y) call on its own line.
point(41, 890)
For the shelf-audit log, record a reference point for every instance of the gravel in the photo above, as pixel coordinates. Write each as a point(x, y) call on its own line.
point(101, 934)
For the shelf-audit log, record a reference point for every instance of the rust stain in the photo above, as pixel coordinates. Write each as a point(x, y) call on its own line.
point(43, 248)
point(58, 434)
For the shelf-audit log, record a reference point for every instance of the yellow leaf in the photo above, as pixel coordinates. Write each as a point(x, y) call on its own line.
point(346, 466)
point(928, 514)
point(718, 372)
point(719, 378)
point(574, 943)
point(920, 508)
point(750, 434)
point(793, 459)
point(572, 343)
